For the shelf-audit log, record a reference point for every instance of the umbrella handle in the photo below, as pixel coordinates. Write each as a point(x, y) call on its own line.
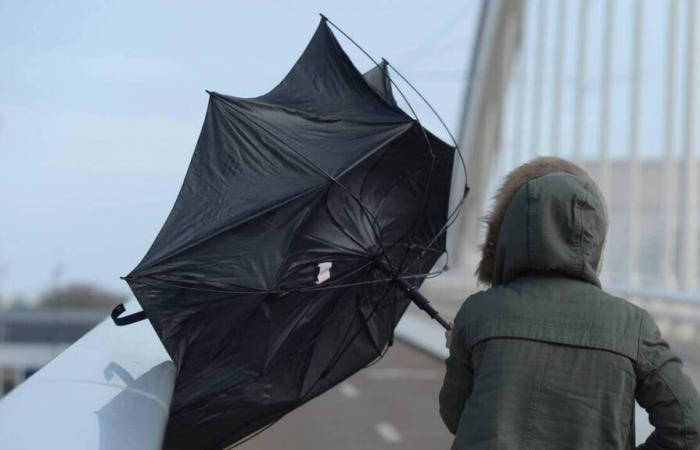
point(416, 297)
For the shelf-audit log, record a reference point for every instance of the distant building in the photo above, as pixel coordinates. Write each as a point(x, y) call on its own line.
point(30, 338)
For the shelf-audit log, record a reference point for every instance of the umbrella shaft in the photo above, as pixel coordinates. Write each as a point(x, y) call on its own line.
point(416, 297)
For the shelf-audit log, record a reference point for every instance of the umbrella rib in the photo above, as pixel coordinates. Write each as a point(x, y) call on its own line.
point(425, 135)
point(300, 112)
point(155, 282)
point(457, 208)
point(339, 226)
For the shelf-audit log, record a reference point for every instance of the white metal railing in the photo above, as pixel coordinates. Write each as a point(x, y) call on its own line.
point(657, 295)
point(614, 86)
point(677, 314)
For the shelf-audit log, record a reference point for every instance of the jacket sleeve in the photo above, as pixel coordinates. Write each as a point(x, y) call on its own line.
point(458, 377)
point(666, 393)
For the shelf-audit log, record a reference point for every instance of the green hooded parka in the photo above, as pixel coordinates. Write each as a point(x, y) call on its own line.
point(545, 359)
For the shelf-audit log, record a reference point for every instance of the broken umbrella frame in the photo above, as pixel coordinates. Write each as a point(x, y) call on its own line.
point(323, 173)
point(416, 297)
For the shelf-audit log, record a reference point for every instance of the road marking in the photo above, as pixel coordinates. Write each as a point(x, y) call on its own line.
point(403, 373)
point(388, 433)
point(348, 390)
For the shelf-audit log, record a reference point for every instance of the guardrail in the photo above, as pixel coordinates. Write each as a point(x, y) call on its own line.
point(676, 313)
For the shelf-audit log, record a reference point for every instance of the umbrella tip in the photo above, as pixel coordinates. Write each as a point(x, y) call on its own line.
point(323, 17)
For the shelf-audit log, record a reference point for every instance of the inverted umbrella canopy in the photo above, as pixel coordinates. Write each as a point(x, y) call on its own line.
point(273, 277)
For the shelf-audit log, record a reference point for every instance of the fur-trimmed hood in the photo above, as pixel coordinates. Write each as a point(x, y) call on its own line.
point(548, 216)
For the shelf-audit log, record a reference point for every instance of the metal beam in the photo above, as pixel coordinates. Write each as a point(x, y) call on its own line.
point(537, 81)
point(605, 106)
point(633, 210)
point(688, 266)
point(670, 212)
point(580, 78)
point(558, 74)
point(499, 40)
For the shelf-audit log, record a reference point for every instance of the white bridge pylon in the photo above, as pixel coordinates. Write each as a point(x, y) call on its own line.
point(612, 87)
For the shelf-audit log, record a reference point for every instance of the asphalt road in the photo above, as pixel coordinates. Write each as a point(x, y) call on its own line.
point(390, 405)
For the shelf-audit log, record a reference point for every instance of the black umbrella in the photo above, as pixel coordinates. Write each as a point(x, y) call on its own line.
point(307, 219)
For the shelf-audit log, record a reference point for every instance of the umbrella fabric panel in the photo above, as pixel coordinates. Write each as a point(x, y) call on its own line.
point(425, 186)
point(175, 296)
point(243, 258)
point(378, 78)
point(250, 158)
point(325, 82)
point(321, 117)
point(312, 359)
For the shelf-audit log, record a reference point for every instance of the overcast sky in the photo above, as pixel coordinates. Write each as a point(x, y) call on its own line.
point(101, 105)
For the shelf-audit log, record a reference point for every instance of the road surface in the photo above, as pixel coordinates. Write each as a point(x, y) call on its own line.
point(390, 405)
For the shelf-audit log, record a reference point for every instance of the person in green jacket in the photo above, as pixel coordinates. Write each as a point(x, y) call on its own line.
point(544, 358)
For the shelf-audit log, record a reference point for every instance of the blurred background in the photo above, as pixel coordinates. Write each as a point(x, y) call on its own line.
point(101, 105)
